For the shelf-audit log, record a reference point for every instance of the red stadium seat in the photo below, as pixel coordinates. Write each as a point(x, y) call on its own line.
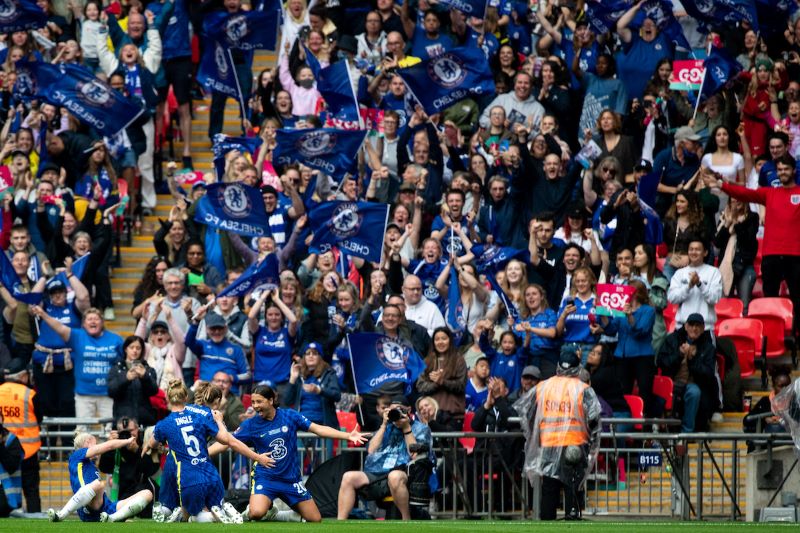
point(662, 387)
point(776, 314)
point(347, 422)
point(729, 308)
point(747, 334)
point(669, 316)
point(636, 405)
point(468, 442)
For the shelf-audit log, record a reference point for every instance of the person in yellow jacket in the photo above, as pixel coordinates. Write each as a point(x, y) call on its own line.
point(561, 421)
point(18, 402)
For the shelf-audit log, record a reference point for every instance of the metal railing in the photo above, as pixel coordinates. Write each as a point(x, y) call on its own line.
point(681, 475)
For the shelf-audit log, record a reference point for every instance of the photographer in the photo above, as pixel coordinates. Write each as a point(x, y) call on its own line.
point(390, 450)
point(131, 472)
point(11, 455)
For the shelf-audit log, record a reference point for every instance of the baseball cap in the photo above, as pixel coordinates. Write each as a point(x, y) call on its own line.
point(161, 324)
point(269, 189)
point(47, 167)
point(643, 166)
point(576, 212)
point(213, 320)
point(686, 133)
point(695, 318)
point(55, 284)
point(15, 366)
point(532, 371)
point(569, 360)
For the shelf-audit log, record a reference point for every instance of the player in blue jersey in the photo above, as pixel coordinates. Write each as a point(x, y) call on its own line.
point(186, 430)
point(274, 430)
point(168, 508)
point(89, 498)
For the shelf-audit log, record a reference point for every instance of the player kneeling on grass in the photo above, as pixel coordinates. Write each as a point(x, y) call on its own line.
point(89, 498)
point(275, 430)
point(186, 430)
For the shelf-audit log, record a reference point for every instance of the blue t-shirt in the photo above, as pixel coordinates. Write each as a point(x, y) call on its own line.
point(48, 338)
point(273, 359)
point(186, 432)
point(636, 63)
point(490, 44)
point(546, 319)
point(474, 398)
point(82, 471)
point(448, 243)
point(93, 357)
point(279, 437)
point(576, 325)
point(424, 47)
point(310, 403)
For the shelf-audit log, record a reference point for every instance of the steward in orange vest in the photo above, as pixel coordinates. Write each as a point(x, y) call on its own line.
point(560, 418)
point(17, 401)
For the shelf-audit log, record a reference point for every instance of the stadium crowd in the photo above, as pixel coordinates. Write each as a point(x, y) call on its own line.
point(537, 188)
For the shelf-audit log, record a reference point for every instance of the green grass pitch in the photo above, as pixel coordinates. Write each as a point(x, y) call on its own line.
point(371, 526)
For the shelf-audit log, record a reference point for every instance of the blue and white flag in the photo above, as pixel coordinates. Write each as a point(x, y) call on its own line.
point(12, 283)
point(357, 228)
point(333, 83)
point(218, 73)
point(773, 14)
point(660, 12)
point(511, 308)
point(263, 274)
point(471, 8)
point(720, 68)
point(222, 144)
point(21, 15)
point(722, 12)
point(247, 30)
point(603, 15)
point(377, 359)
point(493, 258)
point(90, 100)
point(329, 150)
point(455, 308)
point(441, 81)
point(233, 207)
point(78, 268)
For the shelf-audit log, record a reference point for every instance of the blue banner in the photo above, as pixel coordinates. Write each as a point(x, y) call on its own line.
point(653, 227)
point(473, 8)
point(222, 144)
point(218, 73)
point(12, 283)
point(493, 258)
point(333, 83)
point(329, 150)
point(603, 15)
point(660, 12)
point(262, 274)
point(455, 308)
point(90, 100)
point(441, 81)
point(357, 228)
point(233, 207)
point(378, 359)
point(21, 15)
point(78, 268)
point(513, 312)
point(773, 14)
point(248, 30)
point(720, 68)
point(648, 187)
point(722, 12)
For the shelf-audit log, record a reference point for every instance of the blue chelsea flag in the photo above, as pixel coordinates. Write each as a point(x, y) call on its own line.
point(378, 359)
point(722, 12)
point(329, 150)
point(263, 274)
point(90, 100)
point(233, 207)
point(248, 30)
point(13, 284)
point(224, 144)
point(20, 15)
point(218, 73)
point(474, 8)
point(357, 228)
point(441, 81)
point(333, 83)
point(720, 68)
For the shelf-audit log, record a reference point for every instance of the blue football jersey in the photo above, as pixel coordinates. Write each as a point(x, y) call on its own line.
point(186, 432)
point(82, 471)
point(277, 436)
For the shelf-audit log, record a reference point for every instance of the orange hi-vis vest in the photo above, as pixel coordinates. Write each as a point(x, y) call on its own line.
point(559, 406)
point(16, 401)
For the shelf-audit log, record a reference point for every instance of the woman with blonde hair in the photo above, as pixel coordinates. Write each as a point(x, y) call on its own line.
point(186, 430)
point(576, 315)
point(89, 499)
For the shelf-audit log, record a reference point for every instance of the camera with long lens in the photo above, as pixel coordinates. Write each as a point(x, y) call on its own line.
point(124, 434)
point(395, 414)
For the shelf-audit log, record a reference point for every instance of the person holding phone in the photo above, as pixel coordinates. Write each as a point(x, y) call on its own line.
point(573, 324)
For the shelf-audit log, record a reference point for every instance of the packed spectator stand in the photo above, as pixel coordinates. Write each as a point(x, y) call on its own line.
point(600, 159)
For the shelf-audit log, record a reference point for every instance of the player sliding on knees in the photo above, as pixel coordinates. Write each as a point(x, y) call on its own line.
point(89, 499)
point(275, 430)
point(207, 398)
point(186, 431)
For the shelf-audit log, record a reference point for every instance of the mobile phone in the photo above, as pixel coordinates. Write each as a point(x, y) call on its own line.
point(49, 198)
